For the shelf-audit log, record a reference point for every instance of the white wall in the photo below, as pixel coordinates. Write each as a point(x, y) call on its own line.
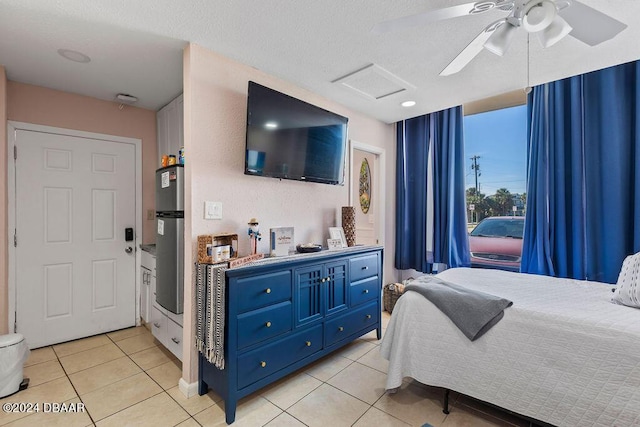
point(215, 100)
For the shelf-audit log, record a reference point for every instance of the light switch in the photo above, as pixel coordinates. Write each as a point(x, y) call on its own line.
point(212, 210)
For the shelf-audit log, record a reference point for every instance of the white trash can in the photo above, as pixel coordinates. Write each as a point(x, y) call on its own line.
point(13, 353)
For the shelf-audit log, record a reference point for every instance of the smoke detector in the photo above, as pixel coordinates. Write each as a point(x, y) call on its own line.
point(125, 98)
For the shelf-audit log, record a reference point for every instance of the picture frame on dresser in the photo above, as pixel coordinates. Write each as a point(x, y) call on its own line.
point(338, 233)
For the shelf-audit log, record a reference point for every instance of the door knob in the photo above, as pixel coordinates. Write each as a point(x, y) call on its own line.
point(129, 249)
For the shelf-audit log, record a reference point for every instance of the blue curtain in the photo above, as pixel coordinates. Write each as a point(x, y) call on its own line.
point(440, 132)
point(583, 192)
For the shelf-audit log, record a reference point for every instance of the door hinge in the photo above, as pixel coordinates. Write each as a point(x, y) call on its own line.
point(15, 238)
point(15, 322)
point(15, 152)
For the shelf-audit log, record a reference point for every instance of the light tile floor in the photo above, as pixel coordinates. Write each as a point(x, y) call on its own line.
point(126, 378)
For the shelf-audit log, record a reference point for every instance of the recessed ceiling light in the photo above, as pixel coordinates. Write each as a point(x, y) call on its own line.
point(408, 103)
point(74, 56)
point(271, 125)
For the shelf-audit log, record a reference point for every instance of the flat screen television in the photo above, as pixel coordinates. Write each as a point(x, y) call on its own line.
point(290, 139)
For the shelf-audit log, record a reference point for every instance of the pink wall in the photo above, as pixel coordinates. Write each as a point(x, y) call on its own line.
point(39, 105)
point(4, 277)
point(215, 94)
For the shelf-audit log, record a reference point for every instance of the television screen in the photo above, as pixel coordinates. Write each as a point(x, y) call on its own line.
point(290, 139)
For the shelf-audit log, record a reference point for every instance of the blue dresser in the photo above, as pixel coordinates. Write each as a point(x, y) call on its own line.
point(285, 313)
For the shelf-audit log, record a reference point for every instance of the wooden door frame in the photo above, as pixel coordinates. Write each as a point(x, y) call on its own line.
point(379, 202)
point(12, 128)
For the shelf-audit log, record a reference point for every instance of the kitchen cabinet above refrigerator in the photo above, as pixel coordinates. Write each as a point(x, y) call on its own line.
point(170, 121)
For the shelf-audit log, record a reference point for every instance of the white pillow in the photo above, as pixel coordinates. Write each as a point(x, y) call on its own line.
point(628, 286)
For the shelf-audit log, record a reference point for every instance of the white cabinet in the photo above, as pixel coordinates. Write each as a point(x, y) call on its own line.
point(174, 338)
point(147, 275)
point(144, 294)
point(162, 134)
point(159, 325)
point(170, 122)
point(166, 326)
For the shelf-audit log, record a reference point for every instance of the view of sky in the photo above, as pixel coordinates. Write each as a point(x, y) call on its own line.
point(500, 139)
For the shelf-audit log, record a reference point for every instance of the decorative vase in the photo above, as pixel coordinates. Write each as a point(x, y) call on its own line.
point(349, 224)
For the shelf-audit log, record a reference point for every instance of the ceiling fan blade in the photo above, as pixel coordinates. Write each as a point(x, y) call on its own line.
point(439, 15)
point(590, 25)
point(472, 49)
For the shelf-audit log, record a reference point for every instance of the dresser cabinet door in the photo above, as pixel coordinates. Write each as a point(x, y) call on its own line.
point(336, 285)
point(308, 289)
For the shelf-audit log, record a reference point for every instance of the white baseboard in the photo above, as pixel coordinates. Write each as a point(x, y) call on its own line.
point(188, 389)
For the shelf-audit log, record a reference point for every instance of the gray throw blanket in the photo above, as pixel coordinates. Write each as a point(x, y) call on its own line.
point(473, 312)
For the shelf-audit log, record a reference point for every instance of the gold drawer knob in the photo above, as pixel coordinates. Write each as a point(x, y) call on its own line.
point(366, 291)
point(340, 328)
point(308, 343)
point(263, 364)
point(368, 316)
point(268, 290)
point(268, 324)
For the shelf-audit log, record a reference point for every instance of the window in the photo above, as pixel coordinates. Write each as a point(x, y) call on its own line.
point(496, 151)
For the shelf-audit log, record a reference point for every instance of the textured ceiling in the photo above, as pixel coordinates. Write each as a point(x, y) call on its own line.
point(136, 46)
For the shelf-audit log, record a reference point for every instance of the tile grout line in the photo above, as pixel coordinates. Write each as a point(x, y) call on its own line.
point(152, 379)
point(73, 386)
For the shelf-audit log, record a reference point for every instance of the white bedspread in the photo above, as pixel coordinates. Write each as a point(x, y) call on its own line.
point(563, 353)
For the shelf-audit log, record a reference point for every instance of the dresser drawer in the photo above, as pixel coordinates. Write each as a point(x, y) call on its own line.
point(338, 329)
point(264, 323)
point(364, 290)
point(363, 267)
point(262, 290)
point(257, 364)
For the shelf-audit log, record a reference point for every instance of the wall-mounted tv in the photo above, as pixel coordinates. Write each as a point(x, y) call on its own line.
point(290, 139)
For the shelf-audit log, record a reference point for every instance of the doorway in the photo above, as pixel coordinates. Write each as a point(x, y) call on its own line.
point(72, 268)
point(367, 192)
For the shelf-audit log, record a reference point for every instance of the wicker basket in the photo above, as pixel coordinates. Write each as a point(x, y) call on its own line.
point(390, 295)
point(213, 240)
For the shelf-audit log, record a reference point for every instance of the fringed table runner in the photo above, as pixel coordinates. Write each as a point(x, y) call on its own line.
point(210, 290)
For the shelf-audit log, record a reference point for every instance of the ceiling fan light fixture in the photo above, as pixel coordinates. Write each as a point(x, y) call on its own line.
point(555, 32)
point(538, 15)
point(501, 39)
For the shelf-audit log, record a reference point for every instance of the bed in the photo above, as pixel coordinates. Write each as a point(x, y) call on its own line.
point(563, 353)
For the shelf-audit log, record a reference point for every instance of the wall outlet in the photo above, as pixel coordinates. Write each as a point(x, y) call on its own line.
point(212, 210)
point(151, 214)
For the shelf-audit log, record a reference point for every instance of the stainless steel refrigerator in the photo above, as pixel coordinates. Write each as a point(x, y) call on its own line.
point(170, 237)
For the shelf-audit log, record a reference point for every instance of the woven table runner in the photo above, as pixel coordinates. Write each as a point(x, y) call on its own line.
point(210, 293)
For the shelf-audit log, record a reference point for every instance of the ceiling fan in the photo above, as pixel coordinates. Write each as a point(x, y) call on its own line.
point(551, 20)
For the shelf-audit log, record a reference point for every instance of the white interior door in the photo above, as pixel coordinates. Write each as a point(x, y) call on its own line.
point(74, 273)
point(366, 193)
